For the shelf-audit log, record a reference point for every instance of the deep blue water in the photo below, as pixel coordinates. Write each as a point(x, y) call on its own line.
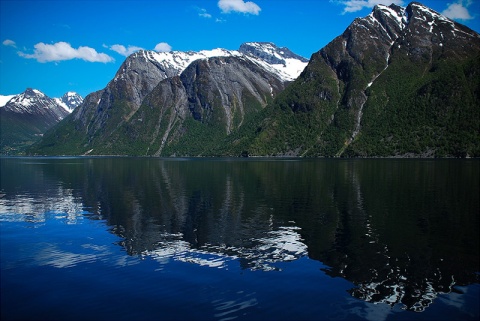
point(231, 239)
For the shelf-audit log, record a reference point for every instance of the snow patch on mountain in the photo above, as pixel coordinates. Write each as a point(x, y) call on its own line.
point(280, 61)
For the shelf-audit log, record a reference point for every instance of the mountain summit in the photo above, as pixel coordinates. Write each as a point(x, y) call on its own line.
point(70, 100)
point(26, 116)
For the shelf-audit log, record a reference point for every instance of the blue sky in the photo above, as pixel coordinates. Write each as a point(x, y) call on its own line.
point(59, 46)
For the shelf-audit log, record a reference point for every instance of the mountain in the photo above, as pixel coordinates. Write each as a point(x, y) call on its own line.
point(207, 94)
point(69, 101)
point(26, 116)
point(400, 82)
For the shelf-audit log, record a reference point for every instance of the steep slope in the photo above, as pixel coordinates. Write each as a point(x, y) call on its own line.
point(399, 82)
point(25, 117)
point(222, 88)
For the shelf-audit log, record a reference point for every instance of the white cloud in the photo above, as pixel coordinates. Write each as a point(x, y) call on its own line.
point(239, 6)
point(458, 10)
point(8, 42)
point(122, 50)
point(163, 47)
point(357, 5)
point(63, 51)
point(203, 13)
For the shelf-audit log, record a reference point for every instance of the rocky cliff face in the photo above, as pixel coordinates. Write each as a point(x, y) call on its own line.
point(224, 83)
point(190, 113)
point(219, 94)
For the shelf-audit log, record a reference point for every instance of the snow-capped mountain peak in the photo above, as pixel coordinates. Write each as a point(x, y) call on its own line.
point(23, 102)
point(34, 102)
point(69, 101)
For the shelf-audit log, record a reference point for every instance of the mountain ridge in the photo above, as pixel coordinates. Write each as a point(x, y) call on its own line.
point(383, 88)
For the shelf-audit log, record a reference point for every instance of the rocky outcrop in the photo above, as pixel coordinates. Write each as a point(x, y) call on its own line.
point(224, 83)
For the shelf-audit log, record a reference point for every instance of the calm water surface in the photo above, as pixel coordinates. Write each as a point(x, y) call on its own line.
point(229, 239)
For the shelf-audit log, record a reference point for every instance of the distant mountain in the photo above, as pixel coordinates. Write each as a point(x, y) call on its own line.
point(26, 116)
point(69, 101)
point(401, 82)
point(212, 92)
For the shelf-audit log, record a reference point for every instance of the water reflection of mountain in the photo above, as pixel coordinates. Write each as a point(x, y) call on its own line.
point(402, 231)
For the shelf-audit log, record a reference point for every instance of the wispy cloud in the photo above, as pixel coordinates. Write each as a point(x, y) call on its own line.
point(357, 5)
point(163, 47)
point(10, 43)
point(458, 10)
point(125, 51)
point(64, 51)
point(241, 6)
point(203, 13)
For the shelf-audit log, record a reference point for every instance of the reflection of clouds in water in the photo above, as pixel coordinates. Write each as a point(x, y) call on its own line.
point(173, 247)
point(284, 244)
point(25, 208)
point(53, 256)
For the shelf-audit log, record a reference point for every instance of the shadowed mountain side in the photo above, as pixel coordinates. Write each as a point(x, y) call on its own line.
point(399, 82)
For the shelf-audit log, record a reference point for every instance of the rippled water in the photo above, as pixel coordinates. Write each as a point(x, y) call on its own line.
point(224, 239)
